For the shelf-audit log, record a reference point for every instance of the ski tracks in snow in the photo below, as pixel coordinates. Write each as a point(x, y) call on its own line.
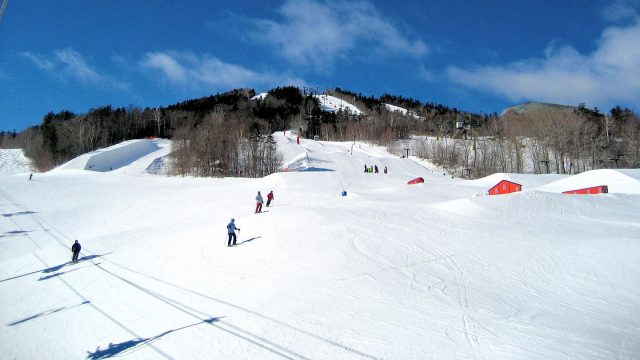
point(471, 326)
point(219, 323)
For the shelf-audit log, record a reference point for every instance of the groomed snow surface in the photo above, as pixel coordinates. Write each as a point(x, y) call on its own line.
point(390, 271)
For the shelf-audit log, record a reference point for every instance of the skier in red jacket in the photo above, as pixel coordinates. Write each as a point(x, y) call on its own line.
point(269, 197)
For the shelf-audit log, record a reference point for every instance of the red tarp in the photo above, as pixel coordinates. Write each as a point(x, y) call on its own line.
point(416, 181)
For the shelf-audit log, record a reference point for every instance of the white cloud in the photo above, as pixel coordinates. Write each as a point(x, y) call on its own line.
point(425, 74)
point(621, 10)
point(608, 76)
point(188, 69)
point(318, 33)
point(69, 65)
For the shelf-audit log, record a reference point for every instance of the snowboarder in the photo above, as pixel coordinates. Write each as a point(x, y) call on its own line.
point(376, 168)
point(259, 202)
point(269, 198)
point(231, 230)
point(385, 169)
point(75, 249)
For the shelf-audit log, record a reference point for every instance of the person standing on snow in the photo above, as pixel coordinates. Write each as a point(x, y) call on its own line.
point(75, 249)
point(259, 202)
point(231, 230)
point(385, 169)
point(376, 168)
point(269, 197)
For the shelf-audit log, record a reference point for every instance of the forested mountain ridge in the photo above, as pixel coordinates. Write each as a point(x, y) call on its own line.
point(228, 134)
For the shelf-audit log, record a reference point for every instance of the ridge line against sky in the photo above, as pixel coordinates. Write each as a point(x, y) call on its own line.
point(477, 57)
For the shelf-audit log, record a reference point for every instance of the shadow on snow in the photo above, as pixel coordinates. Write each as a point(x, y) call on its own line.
point(45, 313)
point(64, 272)
point(19, 213)
point(248, 240)
point(53, 269)
point(132, 345)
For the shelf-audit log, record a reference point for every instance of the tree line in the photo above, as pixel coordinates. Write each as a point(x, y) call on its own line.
point(229, 134)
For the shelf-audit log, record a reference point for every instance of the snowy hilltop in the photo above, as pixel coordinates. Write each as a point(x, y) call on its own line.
point(436, 270)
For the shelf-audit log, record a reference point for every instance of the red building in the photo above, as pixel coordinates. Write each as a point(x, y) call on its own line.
point(505, 187)
point(601, 189)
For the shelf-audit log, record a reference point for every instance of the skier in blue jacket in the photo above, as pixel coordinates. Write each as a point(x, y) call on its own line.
point(231, 229)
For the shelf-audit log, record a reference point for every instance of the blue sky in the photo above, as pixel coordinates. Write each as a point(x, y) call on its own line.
point(479, 56)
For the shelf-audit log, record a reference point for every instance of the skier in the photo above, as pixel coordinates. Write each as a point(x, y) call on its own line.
point(231, 230)
point(30, 176)
point(259, 202)
point(385, 169)
point(75, 249)
point(376, 168)
point(366, 169)
point(269, 197)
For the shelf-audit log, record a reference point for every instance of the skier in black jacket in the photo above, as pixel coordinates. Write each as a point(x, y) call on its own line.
point(75, 249)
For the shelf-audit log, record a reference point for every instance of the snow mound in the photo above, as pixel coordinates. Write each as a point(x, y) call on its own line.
point(13, 161)
point(618, 181)
point(132, 156)
point(329, 103)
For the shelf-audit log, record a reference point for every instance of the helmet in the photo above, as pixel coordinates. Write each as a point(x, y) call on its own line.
point(232, 219)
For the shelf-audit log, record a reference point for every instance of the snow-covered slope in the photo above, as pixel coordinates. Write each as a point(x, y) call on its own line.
point(333, 104)
point(390, 271)
point(13, 161)
point(260, 96)
point(403, 111)
point(533, 106)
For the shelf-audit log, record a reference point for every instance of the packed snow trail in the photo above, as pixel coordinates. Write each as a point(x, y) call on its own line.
point(389, 271)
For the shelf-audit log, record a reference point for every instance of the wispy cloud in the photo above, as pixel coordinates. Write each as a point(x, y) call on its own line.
point(192, 70)
point(621, 10)
point(607, 76)
point(320, 32)
point(69, 65)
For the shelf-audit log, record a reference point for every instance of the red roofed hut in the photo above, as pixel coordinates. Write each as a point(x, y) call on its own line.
point(601, 189)
point(416, 181)
point(505, 187)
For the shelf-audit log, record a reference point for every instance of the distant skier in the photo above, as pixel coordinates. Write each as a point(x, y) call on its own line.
point(366, 169)
point(231, 230)
point(376, 168)
point(385, 169)
point(75, 249)
point(269, 198)
point(30, 176)
point(259, 202)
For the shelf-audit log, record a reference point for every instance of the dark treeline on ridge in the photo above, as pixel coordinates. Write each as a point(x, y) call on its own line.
point(229, 134)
